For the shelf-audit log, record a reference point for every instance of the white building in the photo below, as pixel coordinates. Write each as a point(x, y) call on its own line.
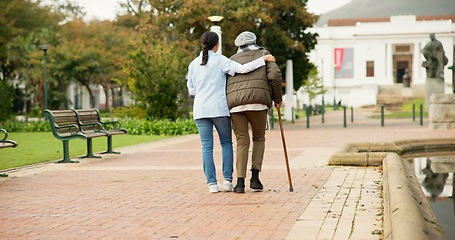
point(362, 59)
point(80, 98)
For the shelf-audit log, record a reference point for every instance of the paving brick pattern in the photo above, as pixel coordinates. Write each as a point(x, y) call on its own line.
point(157, 190)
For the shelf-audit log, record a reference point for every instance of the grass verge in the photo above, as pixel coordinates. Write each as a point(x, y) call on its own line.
point(39, 147)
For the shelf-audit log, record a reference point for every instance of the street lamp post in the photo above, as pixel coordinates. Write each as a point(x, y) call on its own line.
point(322, 78)
point(44, 48)
point(335, 107)
point(217, 29)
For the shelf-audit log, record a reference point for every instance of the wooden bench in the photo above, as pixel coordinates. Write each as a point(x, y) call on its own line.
point(89, 118)
point(5, 143)
point(65, 127)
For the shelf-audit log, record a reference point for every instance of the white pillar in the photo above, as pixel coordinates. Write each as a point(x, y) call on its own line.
point(389, 63)
point(289, 104)
point(449, 48)
point(70, 94)
point(217, 30)
point(416, 65)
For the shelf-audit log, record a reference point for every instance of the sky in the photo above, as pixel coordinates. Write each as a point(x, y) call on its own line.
point(323, 6)
point(107, 9)
point(100, 9)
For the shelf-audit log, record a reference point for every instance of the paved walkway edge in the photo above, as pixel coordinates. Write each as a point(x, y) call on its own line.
point(407, 213)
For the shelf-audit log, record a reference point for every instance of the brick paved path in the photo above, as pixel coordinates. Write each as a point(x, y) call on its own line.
point(157, 191)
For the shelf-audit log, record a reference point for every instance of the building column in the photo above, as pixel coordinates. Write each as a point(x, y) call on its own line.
point(417, 66)
point(71, 95)
point(289, 104)
point(389, 62)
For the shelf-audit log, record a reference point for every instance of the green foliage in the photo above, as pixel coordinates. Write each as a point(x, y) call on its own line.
point(89, 54)
point(281, 27)
point(157, 77)
point(109, 53)
point(287, 36)
point(163, 127)
point(129, 112)
point(19, 21)
point(26, 52)
point(313, 85)
point(29, 126)
point(6, 100)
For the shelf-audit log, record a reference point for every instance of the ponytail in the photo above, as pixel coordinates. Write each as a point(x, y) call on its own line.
point(208, 41)
point(205, 54)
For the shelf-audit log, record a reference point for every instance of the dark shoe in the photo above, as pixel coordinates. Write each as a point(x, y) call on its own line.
point(255, 183)
point(240, 186)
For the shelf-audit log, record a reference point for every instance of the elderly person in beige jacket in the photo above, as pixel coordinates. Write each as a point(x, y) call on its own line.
point(249, 98)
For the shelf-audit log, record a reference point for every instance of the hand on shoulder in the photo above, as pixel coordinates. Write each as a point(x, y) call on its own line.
point(269, 58)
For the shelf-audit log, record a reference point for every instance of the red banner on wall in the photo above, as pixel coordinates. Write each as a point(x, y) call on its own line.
point(339, 56)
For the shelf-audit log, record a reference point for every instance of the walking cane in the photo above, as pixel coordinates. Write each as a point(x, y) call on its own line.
point(285, 151)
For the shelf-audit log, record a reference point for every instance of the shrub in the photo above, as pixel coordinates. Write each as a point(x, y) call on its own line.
point(162, 127)
point(129, 112)
point(29, 126)
point(134, 126)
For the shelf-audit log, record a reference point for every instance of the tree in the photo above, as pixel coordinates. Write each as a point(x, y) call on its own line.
point(156, 78)
point(313, 86)
point(113, 42)
point(136, 7)
point(156, 69)
point(20, 20)
point(280, 27)
point(92, 54)
point(287, 36)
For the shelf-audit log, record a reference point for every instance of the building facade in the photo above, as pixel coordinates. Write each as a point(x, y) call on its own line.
point(79, 97)
point(361, 59)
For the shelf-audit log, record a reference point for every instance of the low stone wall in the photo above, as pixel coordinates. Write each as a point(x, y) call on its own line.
point(407, 212)
point(442, 111)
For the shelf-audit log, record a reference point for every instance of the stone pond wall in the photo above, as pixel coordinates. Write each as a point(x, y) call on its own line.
point(441, 111)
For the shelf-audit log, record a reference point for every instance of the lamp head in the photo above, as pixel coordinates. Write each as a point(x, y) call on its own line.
point(44, 47)
point(215, 19)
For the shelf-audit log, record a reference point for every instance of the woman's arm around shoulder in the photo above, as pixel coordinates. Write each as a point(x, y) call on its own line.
point(253, 65)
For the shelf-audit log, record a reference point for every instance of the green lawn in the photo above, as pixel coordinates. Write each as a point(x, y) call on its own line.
point(407, 108)
point(39, 147)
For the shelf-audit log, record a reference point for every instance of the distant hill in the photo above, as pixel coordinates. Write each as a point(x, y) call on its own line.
point(387, 8)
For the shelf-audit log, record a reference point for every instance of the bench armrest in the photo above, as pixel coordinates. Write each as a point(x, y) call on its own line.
point(114, 124)
point(73, 129)
point(97, 127)
point(5, 134)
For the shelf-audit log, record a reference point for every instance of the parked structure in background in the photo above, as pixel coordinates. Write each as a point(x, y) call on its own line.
point(368, 60)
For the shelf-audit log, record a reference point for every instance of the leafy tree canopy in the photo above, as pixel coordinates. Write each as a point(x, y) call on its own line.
point(279, 25)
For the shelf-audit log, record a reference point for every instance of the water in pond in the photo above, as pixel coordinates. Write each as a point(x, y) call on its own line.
point(436, 176)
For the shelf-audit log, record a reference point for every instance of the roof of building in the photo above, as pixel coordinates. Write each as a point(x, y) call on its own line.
point(381, 10)
point(354, 21)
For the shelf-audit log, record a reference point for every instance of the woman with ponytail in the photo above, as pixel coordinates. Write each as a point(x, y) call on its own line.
point(206, 81)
